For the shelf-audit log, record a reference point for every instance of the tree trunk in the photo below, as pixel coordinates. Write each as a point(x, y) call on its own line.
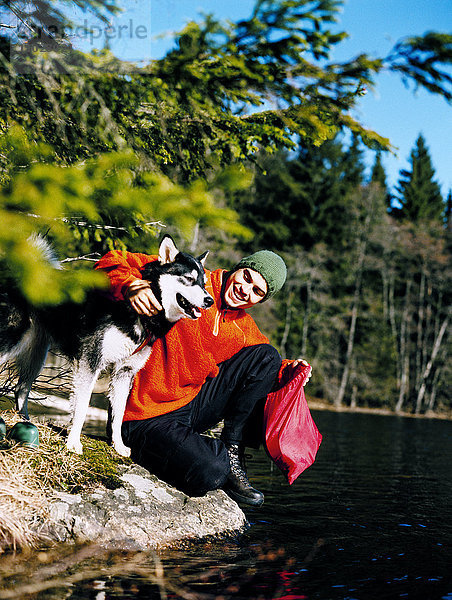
point(354, 398)
point(304, 339)
point(350, 343)
point(428, 368)
point(352, 330)
point(384, 277)
point(392, 321)
point(353, 402)
point(420, 350)
point(404, 356)
point(356, 299)
point(285, 335)
point(428, 328)
point(404, 382)
point(431, 401)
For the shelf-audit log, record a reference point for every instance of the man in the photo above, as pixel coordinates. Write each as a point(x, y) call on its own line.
point(218, 367)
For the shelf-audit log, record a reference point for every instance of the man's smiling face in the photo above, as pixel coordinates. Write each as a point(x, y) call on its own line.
point(245, 288)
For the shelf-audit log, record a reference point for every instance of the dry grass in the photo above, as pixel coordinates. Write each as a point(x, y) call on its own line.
point(28, 478)
point(21, 502)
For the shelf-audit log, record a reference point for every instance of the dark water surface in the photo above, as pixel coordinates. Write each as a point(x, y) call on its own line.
point(371, 519)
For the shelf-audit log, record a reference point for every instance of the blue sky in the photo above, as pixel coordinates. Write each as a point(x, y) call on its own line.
point(374, 26)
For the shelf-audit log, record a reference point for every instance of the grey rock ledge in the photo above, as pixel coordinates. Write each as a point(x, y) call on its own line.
point(144, 513)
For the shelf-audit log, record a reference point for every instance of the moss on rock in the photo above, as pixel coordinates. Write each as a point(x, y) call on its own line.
point(103, 462)
point(30, 476)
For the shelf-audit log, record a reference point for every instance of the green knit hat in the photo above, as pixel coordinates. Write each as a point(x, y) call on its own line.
point(270, 266)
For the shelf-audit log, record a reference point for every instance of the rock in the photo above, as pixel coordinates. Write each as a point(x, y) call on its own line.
point(143, 513)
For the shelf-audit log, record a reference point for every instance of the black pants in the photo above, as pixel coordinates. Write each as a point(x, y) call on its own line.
point(171, 447)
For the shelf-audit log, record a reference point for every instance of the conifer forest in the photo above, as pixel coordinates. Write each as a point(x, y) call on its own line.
point(242, 137)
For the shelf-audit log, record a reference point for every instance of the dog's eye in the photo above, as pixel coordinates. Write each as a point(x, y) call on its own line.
point(192, 277)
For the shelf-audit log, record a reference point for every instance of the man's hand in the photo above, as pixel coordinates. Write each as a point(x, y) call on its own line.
point(301, 361)
point(142, 299)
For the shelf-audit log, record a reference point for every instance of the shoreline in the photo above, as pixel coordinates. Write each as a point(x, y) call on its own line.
point(50, 496)
point(319, 404)
point(78, 498)
point(60, 405)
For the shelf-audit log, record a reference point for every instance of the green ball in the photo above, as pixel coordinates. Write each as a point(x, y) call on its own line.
point(25, 433)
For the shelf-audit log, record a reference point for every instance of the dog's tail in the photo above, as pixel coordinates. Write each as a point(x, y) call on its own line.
point(45, 248)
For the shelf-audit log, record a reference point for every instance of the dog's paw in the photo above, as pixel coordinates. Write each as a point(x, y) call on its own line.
point(74, 446)
point(121, 449)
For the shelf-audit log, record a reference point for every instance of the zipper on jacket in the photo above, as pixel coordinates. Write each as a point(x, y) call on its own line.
point(216, 327)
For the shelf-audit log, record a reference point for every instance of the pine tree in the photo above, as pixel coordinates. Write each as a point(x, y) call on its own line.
point(449, 211)
point(352, 164)
point(328, 174)
point(419, 193)
point(378, 174)
point(378, 177)
point(267, 207)
point(303, 200)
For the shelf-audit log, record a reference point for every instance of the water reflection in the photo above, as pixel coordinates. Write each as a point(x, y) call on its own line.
point(370, 520)
point(379, 497)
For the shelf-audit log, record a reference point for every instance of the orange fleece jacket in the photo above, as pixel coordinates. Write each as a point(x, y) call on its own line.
point(191, 351)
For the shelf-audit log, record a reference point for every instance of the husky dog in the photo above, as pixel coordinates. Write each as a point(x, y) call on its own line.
point(101, 332)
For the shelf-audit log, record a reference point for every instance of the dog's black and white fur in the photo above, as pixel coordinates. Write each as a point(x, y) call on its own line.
point(101, 332)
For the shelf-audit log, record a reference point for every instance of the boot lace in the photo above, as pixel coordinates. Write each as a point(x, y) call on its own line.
point(237, 462)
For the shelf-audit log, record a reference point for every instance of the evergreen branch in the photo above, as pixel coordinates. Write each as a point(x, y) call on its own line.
point(418, 59)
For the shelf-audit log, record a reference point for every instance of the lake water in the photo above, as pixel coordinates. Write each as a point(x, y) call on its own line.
point(371, 519)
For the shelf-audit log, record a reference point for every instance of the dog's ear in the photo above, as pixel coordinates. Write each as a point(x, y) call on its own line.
point(202, 257)
point(167, 250)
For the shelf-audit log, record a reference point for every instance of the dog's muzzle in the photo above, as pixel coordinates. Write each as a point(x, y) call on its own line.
point(191, 310)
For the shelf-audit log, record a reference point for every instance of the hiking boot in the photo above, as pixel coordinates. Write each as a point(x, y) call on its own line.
point(237, 485)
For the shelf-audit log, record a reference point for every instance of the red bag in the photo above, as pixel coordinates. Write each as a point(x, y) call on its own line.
point(291, 436)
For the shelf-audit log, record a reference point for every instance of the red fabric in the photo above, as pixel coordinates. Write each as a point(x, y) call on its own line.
point(291, 436)
point(191, 351)
point(122, 269)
